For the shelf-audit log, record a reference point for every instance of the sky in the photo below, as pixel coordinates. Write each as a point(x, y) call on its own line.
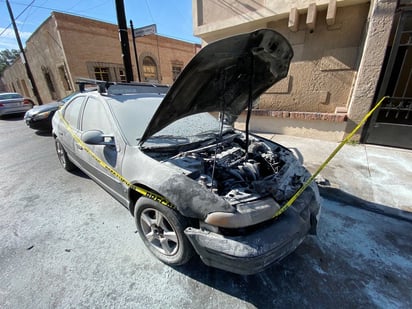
point(172, 17)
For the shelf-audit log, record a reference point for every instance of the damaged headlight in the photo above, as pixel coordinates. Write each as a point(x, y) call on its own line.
point(247, 214)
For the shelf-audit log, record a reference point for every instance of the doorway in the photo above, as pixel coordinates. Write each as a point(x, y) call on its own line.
point(391, 125)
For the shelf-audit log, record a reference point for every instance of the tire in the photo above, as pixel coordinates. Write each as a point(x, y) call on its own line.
point(63, 158)
point(161, 229)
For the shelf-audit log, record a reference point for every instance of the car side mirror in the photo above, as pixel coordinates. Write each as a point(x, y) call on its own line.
point(97, 137)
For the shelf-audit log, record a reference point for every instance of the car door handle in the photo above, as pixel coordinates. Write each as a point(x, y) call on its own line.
point(79, 147)
point(61, 133)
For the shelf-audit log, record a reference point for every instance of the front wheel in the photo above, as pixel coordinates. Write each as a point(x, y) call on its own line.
point(63, 158)
point(161, 230)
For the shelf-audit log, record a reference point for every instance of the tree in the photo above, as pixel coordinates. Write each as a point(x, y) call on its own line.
point(7, 57)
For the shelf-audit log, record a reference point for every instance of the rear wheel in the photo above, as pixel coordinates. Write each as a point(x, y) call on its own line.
point(63, 158)
point(161, 229)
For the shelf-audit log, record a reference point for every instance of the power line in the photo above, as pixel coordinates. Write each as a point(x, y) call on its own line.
point(29, 13)
point(74, 5)
point(55, 9)
point(150, 12)
point(28, 6)
point(69, 11)
point(39, 6)
point(96, 6)
point(63, 11)
point(23, 56)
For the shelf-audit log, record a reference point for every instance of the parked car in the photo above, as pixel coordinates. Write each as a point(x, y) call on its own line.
point(192, 182)
point(40, 117)
point(13, 103)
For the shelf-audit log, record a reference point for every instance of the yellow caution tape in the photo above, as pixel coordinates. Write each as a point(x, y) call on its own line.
point(162, 200)
point(149, 194)
point(307, 183)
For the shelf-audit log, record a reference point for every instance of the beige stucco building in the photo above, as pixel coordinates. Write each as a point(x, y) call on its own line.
point(66, 47)
point(342, 55)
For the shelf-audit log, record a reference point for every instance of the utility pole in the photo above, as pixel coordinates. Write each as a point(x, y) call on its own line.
point(124, 39)
point(135, 52)
point(23, 56)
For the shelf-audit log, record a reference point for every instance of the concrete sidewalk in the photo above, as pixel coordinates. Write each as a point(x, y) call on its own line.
point(374, 177)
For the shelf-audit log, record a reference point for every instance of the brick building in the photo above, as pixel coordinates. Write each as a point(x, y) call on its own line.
point(348, 54)
point(66, 47)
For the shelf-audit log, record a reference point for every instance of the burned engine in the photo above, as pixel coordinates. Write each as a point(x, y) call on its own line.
point(229, 171)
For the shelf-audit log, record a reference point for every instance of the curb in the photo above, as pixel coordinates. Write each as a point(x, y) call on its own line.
point(343, 197)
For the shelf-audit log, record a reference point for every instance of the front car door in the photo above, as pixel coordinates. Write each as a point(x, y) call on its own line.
point(96, 116)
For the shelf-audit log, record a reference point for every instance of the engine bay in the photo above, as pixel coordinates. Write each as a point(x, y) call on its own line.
point(237, 175)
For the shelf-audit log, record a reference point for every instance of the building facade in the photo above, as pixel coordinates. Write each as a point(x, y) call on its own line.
point(66, 47)
point(347, 54)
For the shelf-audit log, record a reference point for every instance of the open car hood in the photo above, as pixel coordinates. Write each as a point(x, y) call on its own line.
point(223, 76)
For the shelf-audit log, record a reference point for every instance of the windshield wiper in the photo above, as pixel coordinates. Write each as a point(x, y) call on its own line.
point(165, 136)
point(165, 141)
point(214, 134)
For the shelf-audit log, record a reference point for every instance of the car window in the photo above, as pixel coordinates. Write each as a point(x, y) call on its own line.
point(95, 117)
point(72, 111)
point(7, 96)
point(68, 98)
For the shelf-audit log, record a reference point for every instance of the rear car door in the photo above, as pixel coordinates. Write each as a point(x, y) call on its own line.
point(71, 114)
point(96, 116)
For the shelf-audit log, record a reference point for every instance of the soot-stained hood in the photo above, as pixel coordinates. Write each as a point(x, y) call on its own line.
point(222, 76)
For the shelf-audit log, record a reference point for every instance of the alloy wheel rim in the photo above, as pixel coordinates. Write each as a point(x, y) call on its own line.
point(159, 232)
point(60, 153)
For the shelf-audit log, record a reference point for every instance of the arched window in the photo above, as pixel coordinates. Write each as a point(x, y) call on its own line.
point(149, 69)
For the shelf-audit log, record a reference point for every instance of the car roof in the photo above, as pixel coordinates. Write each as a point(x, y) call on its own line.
point(108, 88)
point(11, 93)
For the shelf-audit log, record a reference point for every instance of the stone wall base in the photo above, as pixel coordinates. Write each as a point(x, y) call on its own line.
point(329, 130)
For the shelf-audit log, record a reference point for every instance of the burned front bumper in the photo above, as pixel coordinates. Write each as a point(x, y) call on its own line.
point(252, 253)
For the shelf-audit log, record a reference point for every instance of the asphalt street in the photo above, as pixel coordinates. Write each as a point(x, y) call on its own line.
point(66, 243)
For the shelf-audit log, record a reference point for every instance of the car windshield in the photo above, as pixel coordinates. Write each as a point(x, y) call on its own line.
point(191, 129)
point(133, 113)
point(66, 99)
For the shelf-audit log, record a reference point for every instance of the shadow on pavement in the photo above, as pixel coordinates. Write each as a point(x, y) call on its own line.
point(43, 133)
point(341, 196)
point(79, 173)
point(12, 117)
point(358, 259)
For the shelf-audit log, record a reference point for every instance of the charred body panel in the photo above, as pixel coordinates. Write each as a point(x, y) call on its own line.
point(252, 252)
point(190, 199)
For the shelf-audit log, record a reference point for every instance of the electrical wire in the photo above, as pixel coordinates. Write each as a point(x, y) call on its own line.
point(21, 13)
point(53, 9)
point(150, 12)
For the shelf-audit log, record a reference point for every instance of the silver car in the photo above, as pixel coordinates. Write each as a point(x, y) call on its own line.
point(193, 183)
point(14, 103)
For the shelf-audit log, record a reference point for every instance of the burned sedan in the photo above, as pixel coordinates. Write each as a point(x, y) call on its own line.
point(193, 183)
